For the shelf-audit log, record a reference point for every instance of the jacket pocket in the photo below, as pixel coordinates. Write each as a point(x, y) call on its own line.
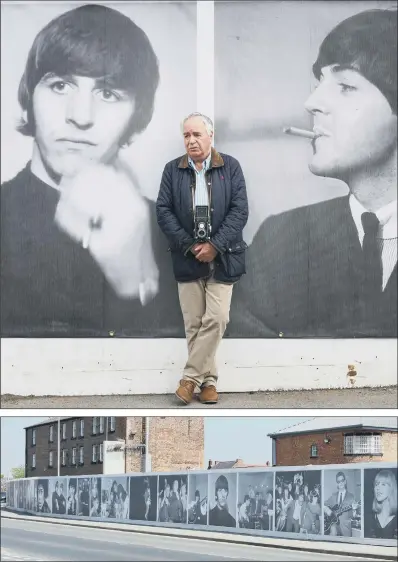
point(234, 259)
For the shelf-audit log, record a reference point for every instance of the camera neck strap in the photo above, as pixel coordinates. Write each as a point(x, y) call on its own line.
point(209, 192)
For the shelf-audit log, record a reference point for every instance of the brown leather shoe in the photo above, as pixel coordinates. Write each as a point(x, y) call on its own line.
point(208, 395)
point(185, 391)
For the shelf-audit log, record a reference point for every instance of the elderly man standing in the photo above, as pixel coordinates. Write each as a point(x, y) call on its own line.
point(202, 209)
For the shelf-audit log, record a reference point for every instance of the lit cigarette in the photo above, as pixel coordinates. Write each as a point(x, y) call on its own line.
point(299, 132)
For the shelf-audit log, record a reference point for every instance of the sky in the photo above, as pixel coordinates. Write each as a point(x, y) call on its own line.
point(226, 438)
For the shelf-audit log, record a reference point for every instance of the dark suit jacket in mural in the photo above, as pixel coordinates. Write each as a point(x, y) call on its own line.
point(305, 276)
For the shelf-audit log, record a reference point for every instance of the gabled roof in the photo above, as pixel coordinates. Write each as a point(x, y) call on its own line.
point(51, 420)
point(320, 424)
point(224, 464)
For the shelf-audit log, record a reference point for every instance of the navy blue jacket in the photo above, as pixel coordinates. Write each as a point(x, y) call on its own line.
point(228, 211)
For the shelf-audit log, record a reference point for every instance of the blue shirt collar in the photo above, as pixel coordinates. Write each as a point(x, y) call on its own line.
point(206, 163)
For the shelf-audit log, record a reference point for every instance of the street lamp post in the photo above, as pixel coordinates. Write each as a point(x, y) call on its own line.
point(59, 448)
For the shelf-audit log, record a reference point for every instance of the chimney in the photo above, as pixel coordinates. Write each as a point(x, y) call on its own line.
point(210, 465)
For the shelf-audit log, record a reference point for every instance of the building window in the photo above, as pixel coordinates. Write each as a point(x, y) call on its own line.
point(81, 428)
point(50, 459)
point(112, 423)
point(51, 434)
point(34, 460)
point(64, 431)
point(74, 429)
point(63, 457)
point(101, 452)
point(81, 455)
point(94, 454)
point(95, 426)
point(74, 451)
point(314, 451)
point(33, 437)
point(362, 444)
point(101, 425)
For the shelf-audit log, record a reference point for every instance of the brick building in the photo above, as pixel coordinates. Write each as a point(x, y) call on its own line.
point(335, 440)
point(173, 444)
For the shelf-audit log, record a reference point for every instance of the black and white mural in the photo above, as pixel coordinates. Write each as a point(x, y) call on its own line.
point(87, 91)
point(58, 493)
point(256, 501)
point(322, 257)
point(83, 502)
point(380, 498)
point(342, 502)
point(115, 497)
point(222, 499)
point(172, 498)
point(143, 494)
point(298, 501)
point(197, 499)
point(95, 496)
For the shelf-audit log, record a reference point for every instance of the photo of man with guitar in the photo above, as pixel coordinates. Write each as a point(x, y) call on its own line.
point(341, 509)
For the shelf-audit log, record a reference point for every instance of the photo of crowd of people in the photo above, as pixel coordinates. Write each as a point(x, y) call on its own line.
point(380, 497)
point(114, 497)
point(222, 499)
point(57, 492)
point(143, 493)
point(298, 501)
point(256, 500)
point(342, 506)
point(173, 498)
point(197, 499)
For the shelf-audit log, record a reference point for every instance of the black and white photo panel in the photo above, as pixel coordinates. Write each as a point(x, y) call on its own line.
point(58, 495)
point(101, 145)
point(197, 499)
point(256, 500)
point(95, 496)
point(115, 497)
point(72, 497)
point(298, 501)
point(30, 495)
point(222, 499)
point(309, 274)
point(342, 506)
point(43, 496)
point(380, 503)
point(83, 502)
point(143, 496)
point(172, 498)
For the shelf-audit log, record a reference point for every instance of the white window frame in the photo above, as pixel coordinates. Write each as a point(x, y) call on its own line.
point(95, 423)
point(101, 452)
point(74, 429)
point(363, 444)
point(64, 431)
point(112, 423)
point(74, 456)
point(33, 460)
point(314, 451)
point(101, 424)
point(63, 458)
point(51, 434)
point(81, 428)
point(50, 459)
point(81, 455)
point(94, 453)
point(33, 436)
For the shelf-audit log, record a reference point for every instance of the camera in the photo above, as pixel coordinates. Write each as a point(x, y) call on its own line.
point(202, 228)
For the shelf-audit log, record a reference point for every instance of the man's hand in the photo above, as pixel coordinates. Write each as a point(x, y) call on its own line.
point(206, 252)
point(101, 209)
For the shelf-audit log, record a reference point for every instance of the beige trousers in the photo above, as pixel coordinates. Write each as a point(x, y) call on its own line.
point(205, 306)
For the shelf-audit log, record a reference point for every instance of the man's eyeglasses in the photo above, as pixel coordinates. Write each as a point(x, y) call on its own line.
point(340, 481)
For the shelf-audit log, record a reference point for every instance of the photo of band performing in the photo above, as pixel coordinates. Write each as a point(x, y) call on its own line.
point(325, 503)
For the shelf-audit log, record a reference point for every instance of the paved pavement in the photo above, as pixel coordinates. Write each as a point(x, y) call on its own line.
point(24, 540)
point(379, 397)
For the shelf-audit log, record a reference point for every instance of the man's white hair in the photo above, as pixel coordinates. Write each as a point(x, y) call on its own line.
point(208, 123)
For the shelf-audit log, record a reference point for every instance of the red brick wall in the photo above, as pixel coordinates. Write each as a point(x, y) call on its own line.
point(295, 450)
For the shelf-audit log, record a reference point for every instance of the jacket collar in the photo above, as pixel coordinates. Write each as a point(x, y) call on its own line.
point(216, 160)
